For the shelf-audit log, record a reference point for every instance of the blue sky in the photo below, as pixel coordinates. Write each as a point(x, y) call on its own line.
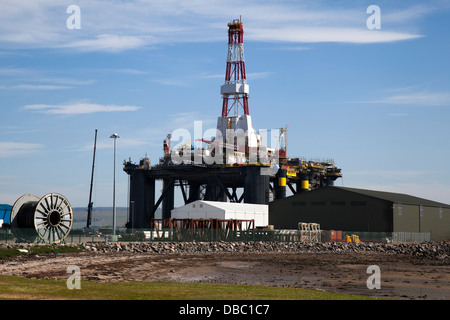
point(375, 101)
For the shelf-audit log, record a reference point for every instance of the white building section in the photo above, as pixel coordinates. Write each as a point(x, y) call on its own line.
point(238, 131)
point(223, 210)
point(234, 88)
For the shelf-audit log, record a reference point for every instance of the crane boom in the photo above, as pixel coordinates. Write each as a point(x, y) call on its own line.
point(90, 204)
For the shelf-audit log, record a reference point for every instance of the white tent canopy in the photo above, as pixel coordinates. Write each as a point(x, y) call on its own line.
point(201, 209)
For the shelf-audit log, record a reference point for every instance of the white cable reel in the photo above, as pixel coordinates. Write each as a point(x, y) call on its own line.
point(49, 218)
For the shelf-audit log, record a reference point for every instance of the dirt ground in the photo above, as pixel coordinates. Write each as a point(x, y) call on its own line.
point(401, 276)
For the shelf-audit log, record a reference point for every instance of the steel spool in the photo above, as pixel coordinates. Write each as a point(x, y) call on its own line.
point(48, 219)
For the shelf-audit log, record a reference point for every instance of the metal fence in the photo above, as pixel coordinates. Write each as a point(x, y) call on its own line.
point(410, 237)
point(163, 235)
point(389, 237)
point(168, 234)
point(7, 236)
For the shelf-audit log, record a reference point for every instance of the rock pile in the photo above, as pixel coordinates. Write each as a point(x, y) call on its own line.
point(428, 250)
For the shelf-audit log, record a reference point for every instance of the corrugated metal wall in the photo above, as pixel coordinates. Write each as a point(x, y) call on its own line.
point(424, 219)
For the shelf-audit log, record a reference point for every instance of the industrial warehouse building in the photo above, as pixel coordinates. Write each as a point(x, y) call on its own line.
point(350, 209)
point(201, 209)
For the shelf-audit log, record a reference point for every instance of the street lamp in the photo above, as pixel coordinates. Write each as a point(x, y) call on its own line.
point(114, 136)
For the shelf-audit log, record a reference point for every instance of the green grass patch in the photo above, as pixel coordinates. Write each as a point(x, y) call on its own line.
point(39, 249)
point(10, 252)
point(46, 249)
point(21, 288)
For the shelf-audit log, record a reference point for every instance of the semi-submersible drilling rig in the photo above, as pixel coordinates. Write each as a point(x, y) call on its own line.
point(234, 166)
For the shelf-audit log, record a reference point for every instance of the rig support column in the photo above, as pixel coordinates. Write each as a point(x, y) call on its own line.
point(280, 184)
point(194, 192)
point(328, 182)
point(215, 193)
point(168, 201)
point(303, 184)
point(256, 186)
point(142, 199)
point(215, 190)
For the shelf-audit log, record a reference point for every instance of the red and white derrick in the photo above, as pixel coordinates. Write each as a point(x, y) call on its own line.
point(235, 87)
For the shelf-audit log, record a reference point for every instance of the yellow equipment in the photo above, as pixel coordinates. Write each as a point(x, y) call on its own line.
point(353, 238)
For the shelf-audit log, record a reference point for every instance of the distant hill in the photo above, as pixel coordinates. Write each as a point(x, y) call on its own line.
point(102, 217)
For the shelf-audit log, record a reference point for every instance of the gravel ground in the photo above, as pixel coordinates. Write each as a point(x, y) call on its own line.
point(407, 271)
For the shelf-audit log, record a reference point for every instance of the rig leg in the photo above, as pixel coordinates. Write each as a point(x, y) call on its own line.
point(168, 202)
point(280, 184)
point(256, 186)
point(142, 200)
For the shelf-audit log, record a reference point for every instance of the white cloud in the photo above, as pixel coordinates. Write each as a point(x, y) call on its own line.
point(35, 87)
point(65, 81)
point(212, 76)
point(397, 114)
point(418, 98)
point(38, 79)
point(408, 14)
point(187, 80)
point(258, 75)
point(123, 142)
point(11, 71)
point(78, 108)
point(129, 71)
point(185, 120)
point(294, 48)
point(13, 149)
point(327, 34)
point(114, 26)
point(172, 82)
point(109, 42)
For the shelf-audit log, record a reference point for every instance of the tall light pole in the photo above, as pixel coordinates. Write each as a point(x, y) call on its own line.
point(114, 136)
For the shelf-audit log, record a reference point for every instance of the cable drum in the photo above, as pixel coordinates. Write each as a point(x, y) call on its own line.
point(48, 219)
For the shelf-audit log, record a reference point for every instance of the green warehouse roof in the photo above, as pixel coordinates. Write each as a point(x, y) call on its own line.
point(395, 197)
